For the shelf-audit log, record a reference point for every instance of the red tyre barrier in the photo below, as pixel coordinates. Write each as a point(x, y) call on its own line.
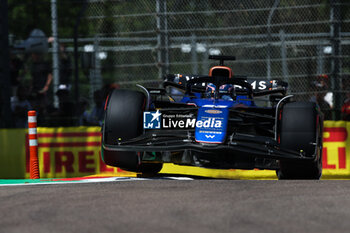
point(33, 145)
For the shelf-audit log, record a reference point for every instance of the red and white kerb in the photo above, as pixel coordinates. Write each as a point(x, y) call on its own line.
point(33, 145)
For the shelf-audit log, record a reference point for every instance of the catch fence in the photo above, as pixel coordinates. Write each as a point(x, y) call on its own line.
point(303, 42)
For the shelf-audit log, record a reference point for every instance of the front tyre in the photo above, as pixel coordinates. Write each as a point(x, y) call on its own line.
point(123, 121)
point(301, 129)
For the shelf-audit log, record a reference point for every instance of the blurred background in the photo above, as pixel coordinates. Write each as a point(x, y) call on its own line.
point(65, 56)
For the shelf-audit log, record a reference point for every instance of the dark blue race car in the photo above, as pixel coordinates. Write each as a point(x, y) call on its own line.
point(213, 121)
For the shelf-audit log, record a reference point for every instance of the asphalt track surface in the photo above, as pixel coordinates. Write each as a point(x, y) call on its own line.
point(200, 205)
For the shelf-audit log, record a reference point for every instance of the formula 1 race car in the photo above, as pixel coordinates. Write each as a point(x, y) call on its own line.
point(213, 121)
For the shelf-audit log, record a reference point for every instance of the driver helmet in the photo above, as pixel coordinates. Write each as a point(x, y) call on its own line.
point(227, 89)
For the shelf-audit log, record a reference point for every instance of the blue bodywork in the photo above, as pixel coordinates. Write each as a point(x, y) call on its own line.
point(211, 124)
point(212, 116)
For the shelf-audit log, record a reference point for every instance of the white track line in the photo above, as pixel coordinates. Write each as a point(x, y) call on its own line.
point(99, 180)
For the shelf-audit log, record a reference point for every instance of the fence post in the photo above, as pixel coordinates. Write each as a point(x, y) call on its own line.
point(76, 53)
point(162, 38)
point(55, 51)
point(33, 146)
point(5, 82)
point(194, 58)
point(335, 19)
point(269, 38)
point(284, 56)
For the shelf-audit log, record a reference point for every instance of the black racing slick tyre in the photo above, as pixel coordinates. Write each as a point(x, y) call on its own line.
point(123, 121)
point(301, 130)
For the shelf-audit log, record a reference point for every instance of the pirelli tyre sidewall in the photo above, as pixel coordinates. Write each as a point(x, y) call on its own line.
point(301, 127)
point(123, 121)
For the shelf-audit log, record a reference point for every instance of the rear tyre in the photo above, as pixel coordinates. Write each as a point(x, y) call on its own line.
point(123, 121)
point(301, 130)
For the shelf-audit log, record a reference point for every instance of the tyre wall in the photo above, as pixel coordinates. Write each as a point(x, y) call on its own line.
point(75, 152)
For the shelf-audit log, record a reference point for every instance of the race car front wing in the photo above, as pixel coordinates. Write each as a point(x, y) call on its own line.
point(238, 144)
